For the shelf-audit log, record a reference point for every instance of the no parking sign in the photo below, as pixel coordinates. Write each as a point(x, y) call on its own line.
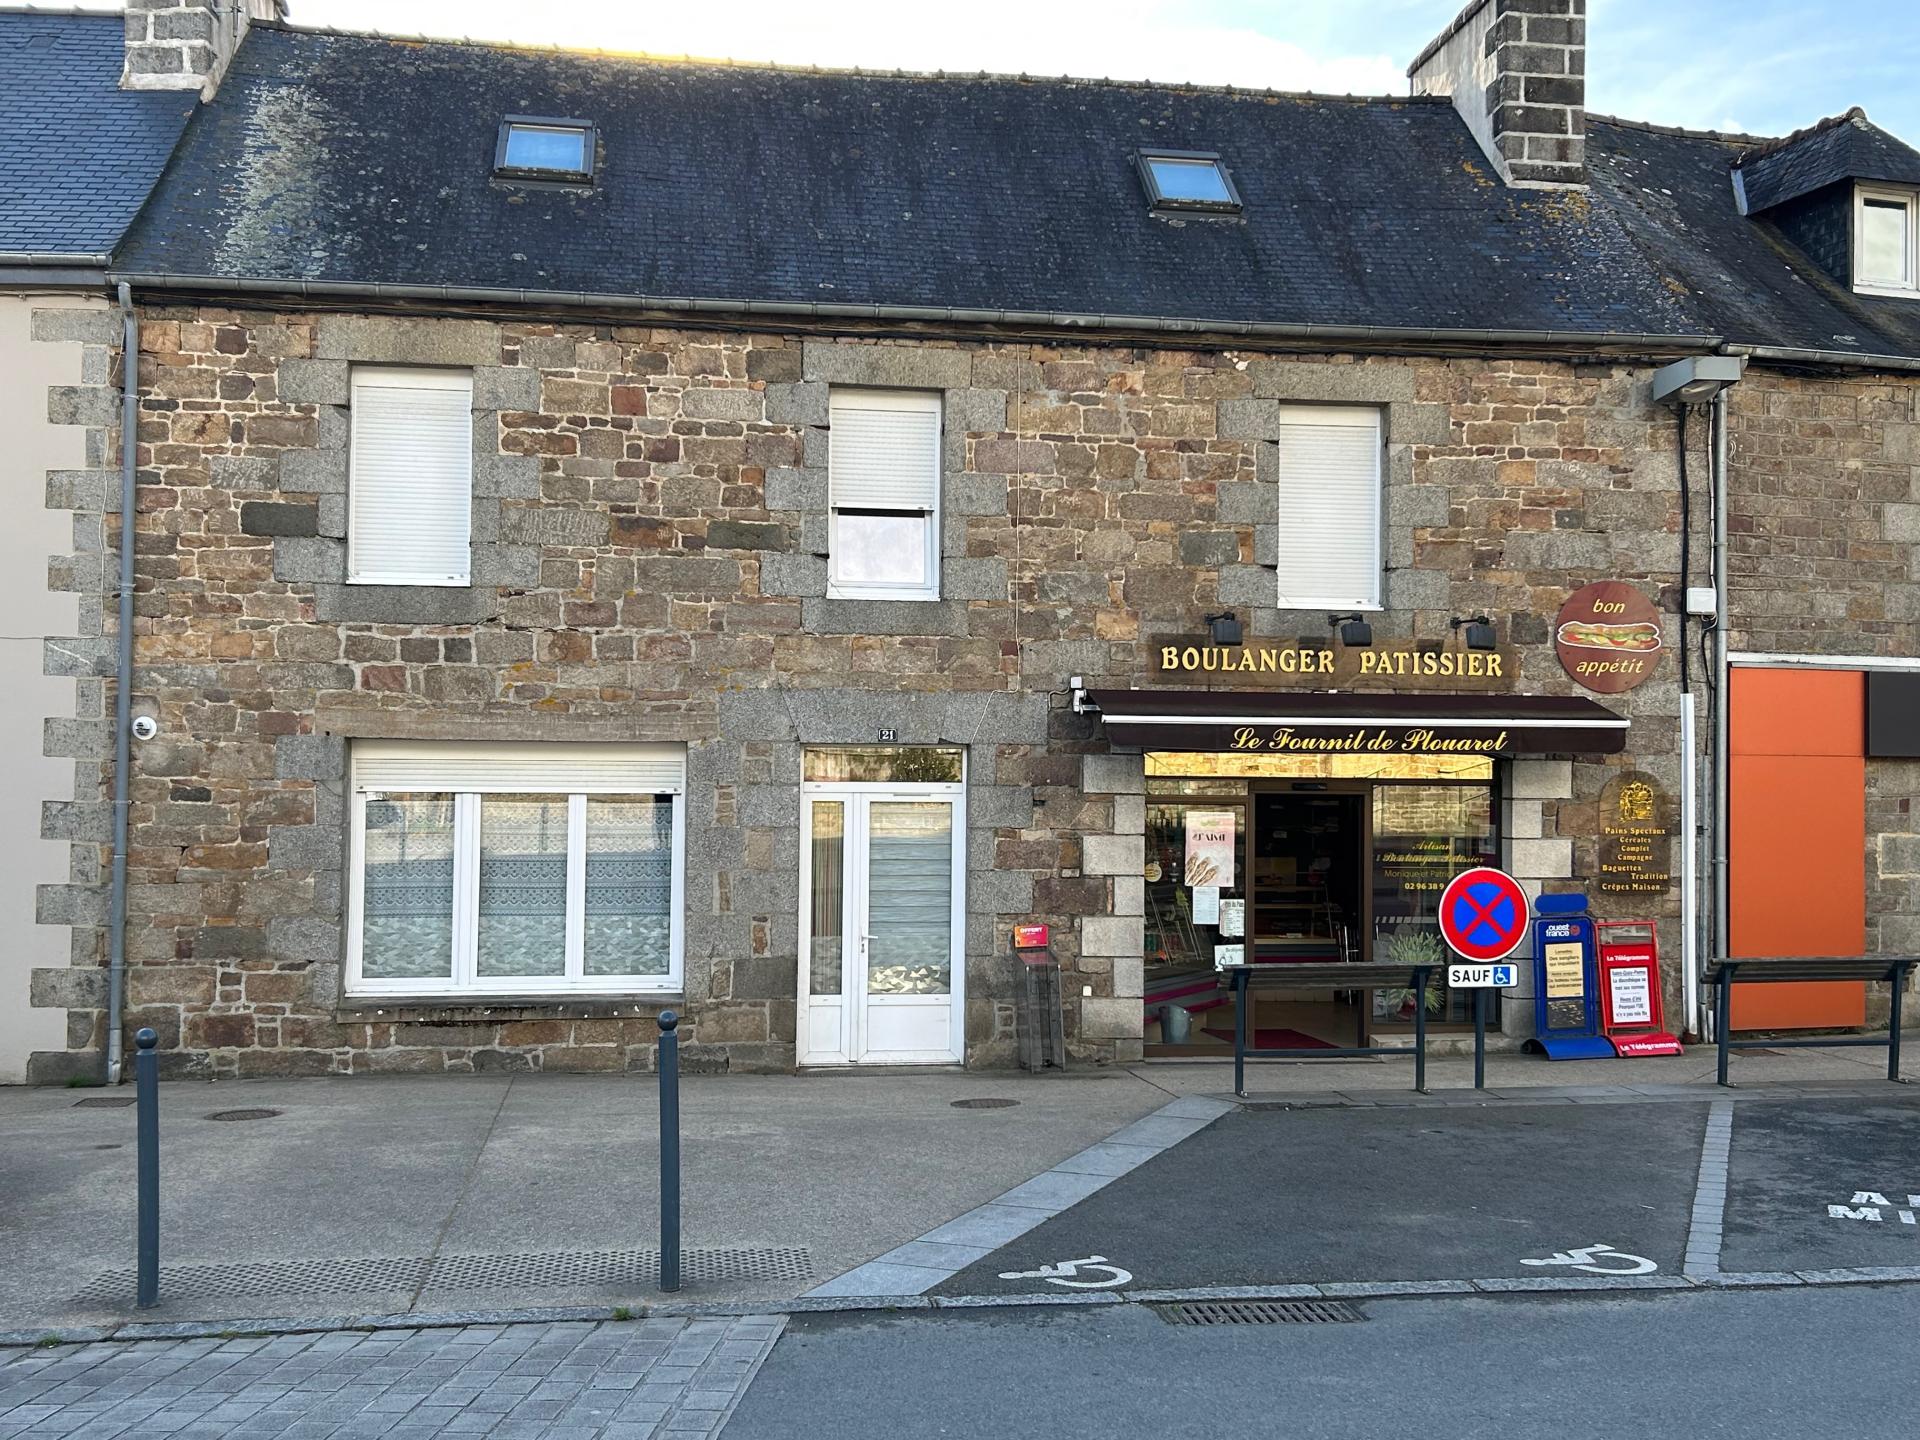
point(1483, 914)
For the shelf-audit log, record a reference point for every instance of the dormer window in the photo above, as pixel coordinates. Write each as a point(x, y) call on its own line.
point(1188, 180)
point(1886, 250)
point(533, 147)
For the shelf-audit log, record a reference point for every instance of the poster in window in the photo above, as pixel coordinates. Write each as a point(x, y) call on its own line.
point(1233, 919)
point(1206, 904)
point(1210, 837)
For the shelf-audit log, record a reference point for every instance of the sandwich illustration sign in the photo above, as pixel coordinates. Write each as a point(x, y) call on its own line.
point(1608, 637)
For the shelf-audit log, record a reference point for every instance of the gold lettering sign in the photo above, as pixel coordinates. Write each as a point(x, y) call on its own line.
point(1485, 669)
point(1415, 740)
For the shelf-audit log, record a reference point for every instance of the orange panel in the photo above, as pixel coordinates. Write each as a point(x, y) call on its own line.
point(1797, 847)
point(1798, 712)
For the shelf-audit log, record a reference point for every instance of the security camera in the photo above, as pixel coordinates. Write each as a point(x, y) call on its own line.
point(145, 727)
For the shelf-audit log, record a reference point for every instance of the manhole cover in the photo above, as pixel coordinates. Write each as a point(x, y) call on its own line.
point(1258, 1312)
point(984, 1103)
point(104, 1102)
point(241, 1115)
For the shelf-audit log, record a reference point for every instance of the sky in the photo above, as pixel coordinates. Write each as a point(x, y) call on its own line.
point(1761, 66)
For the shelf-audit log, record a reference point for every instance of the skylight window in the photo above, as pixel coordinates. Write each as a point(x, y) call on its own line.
point(1188, 180)
point(535, 148)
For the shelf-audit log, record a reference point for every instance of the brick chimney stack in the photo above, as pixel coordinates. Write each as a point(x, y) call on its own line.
point(1517, 72)
point(186, 44)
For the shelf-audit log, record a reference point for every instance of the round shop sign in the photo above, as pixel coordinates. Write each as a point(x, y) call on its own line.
point(1483, 914)
point(1608, 637)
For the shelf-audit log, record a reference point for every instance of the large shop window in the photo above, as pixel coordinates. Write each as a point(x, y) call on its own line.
point(883, 481)
point(1329, 507)
point(500, 869)
point(410, 491)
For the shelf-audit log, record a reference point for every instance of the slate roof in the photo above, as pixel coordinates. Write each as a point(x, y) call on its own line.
point(77, 154)
point(354, 161)
point(1742, 278)
point(1842, 147)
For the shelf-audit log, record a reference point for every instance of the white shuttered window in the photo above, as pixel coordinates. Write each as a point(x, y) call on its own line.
point(410, 495)
point(883, 469)
point(1329, 507)
point(498, 868)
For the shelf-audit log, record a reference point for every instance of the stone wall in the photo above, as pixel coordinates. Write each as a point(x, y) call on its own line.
point(649, 516)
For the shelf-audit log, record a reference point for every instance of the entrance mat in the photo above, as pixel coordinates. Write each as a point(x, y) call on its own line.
point(1264, 1039)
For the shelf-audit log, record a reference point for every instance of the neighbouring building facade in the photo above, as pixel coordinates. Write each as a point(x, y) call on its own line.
point(581, 574)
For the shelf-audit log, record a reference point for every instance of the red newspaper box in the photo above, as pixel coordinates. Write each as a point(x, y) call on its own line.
point(1631, 1013)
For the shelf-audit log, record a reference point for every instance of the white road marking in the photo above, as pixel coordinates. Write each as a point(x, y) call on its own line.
point(1710, 1193)
point(1595, 1260)
point(1064, 1273)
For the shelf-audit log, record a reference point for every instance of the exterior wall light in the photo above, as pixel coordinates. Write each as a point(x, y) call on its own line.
point(1479, 630)
point(1697, 379)
point(1354, 630)
point(1224, 628)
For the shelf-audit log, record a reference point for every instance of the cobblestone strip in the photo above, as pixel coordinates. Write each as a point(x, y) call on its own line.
point(1710, 1194)
point(608, 1380)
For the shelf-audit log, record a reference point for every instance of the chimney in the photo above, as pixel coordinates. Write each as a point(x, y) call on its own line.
point(186, 44)
point(1516, 70)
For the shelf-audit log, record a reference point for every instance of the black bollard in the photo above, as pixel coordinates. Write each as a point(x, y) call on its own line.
point(1479, 1038)
point(669, 1151)
point(146, 1091)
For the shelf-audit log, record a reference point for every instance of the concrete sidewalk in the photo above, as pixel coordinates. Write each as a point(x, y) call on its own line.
point(431, 1194)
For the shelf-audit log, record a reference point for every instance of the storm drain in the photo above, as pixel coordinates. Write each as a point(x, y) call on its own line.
point(1258, 1312)
point(241, 1115)
point(617, 1273)
point(984, 1103)
point(104, 1102)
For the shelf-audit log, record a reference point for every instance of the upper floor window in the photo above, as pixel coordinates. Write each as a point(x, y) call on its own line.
point(883, 486)
point(534, 148)
point(1886, 257)
point(1188, 180)
point(1329, 507)
point(410, 482)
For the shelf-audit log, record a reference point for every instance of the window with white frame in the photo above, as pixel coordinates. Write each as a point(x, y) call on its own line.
point(883, 483)
point(498, 869)
point(410, 487)
point(1329, 507)
point(1886, 253)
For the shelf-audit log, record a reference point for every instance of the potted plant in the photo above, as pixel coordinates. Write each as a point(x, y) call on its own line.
point(1411, 947)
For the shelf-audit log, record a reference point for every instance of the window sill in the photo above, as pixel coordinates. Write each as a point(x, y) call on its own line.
point(1889, 292)
point(411, 582)
point(906, 597)
point(493, 1009)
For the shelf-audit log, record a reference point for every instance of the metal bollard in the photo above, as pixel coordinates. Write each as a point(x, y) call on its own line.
point(669, 1067)
point(146, 1090)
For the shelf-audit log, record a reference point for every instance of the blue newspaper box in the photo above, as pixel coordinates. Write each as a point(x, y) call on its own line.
point(1566, 988)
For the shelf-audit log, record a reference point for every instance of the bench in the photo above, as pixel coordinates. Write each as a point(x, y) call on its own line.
point(1329, 977)
point(1724, 974)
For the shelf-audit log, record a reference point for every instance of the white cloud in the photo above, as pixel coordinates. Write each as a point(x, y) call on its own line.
point(1126, 39)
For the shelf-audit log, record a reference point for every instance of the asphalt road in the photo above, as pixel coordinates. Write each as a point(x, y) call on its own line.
point(1748, 1363)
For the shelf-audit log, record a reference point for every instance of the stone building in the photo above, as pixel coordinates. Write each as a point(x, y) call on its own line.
point(617, 534)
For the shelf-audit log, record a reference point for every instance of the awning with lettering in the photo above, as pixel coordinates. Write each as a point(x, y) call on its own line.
point(1321, 722)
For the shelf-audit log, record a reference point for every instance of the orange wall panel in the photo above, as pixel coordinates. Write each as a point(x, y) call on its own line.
point(1797, 842)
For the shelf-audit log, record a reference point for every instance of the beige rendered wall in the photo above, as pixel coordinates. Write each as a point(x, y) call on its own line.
point(29, 448)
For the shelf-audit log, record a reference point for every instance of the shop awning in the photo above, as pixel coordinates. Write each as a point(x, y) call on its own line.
point(1321, 722)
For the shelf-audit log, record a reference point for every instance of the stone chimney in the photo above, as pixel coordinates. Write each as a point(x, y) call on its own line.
point(186, 44)
point(1516, 70)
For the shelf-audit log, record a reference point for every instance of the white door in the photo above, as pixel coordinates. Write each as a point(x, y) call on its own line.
point(881, 925)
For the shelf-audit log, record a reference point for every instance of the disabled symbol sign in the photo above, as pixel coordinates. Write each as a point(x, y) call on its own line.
point(1483, 914)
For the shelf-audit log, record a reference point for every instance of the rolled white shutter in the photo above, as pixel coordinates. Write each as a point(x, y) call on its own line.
point(410, 495)
point(884, 450)
point(1329, 506)
point(496, 767)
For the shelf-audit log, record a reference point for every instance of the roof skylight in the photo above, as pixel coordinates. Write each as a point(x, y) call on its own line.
point(1188, 180)
point(533, 147)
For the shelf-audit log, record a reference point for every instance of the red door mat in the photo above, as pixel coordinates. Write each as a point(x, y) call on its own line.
point(1274, 1039)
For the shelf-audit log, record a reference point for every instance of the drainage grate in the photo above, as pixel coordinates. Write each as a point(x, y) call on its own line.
point(241, 1115)
point(1258, 1312)
point(104, 1102)
point(982, 1104)
point(614, 1272)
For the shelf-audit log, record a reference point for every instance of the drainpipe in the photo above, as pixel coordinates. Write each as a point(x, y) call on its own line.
point(123, 686)
point(1722, 675)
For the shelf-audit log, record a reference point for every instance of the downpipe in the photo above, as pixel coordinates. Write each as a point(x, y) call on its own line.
point(1722, 688)
point(123, 689)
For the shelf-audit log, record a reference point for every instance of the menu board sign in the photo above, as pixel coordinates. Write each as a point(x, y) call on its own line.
point(1636, 837)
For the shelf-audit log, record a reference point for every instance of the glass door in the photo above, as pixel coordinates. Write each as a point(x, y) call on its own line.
point(881, 926)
